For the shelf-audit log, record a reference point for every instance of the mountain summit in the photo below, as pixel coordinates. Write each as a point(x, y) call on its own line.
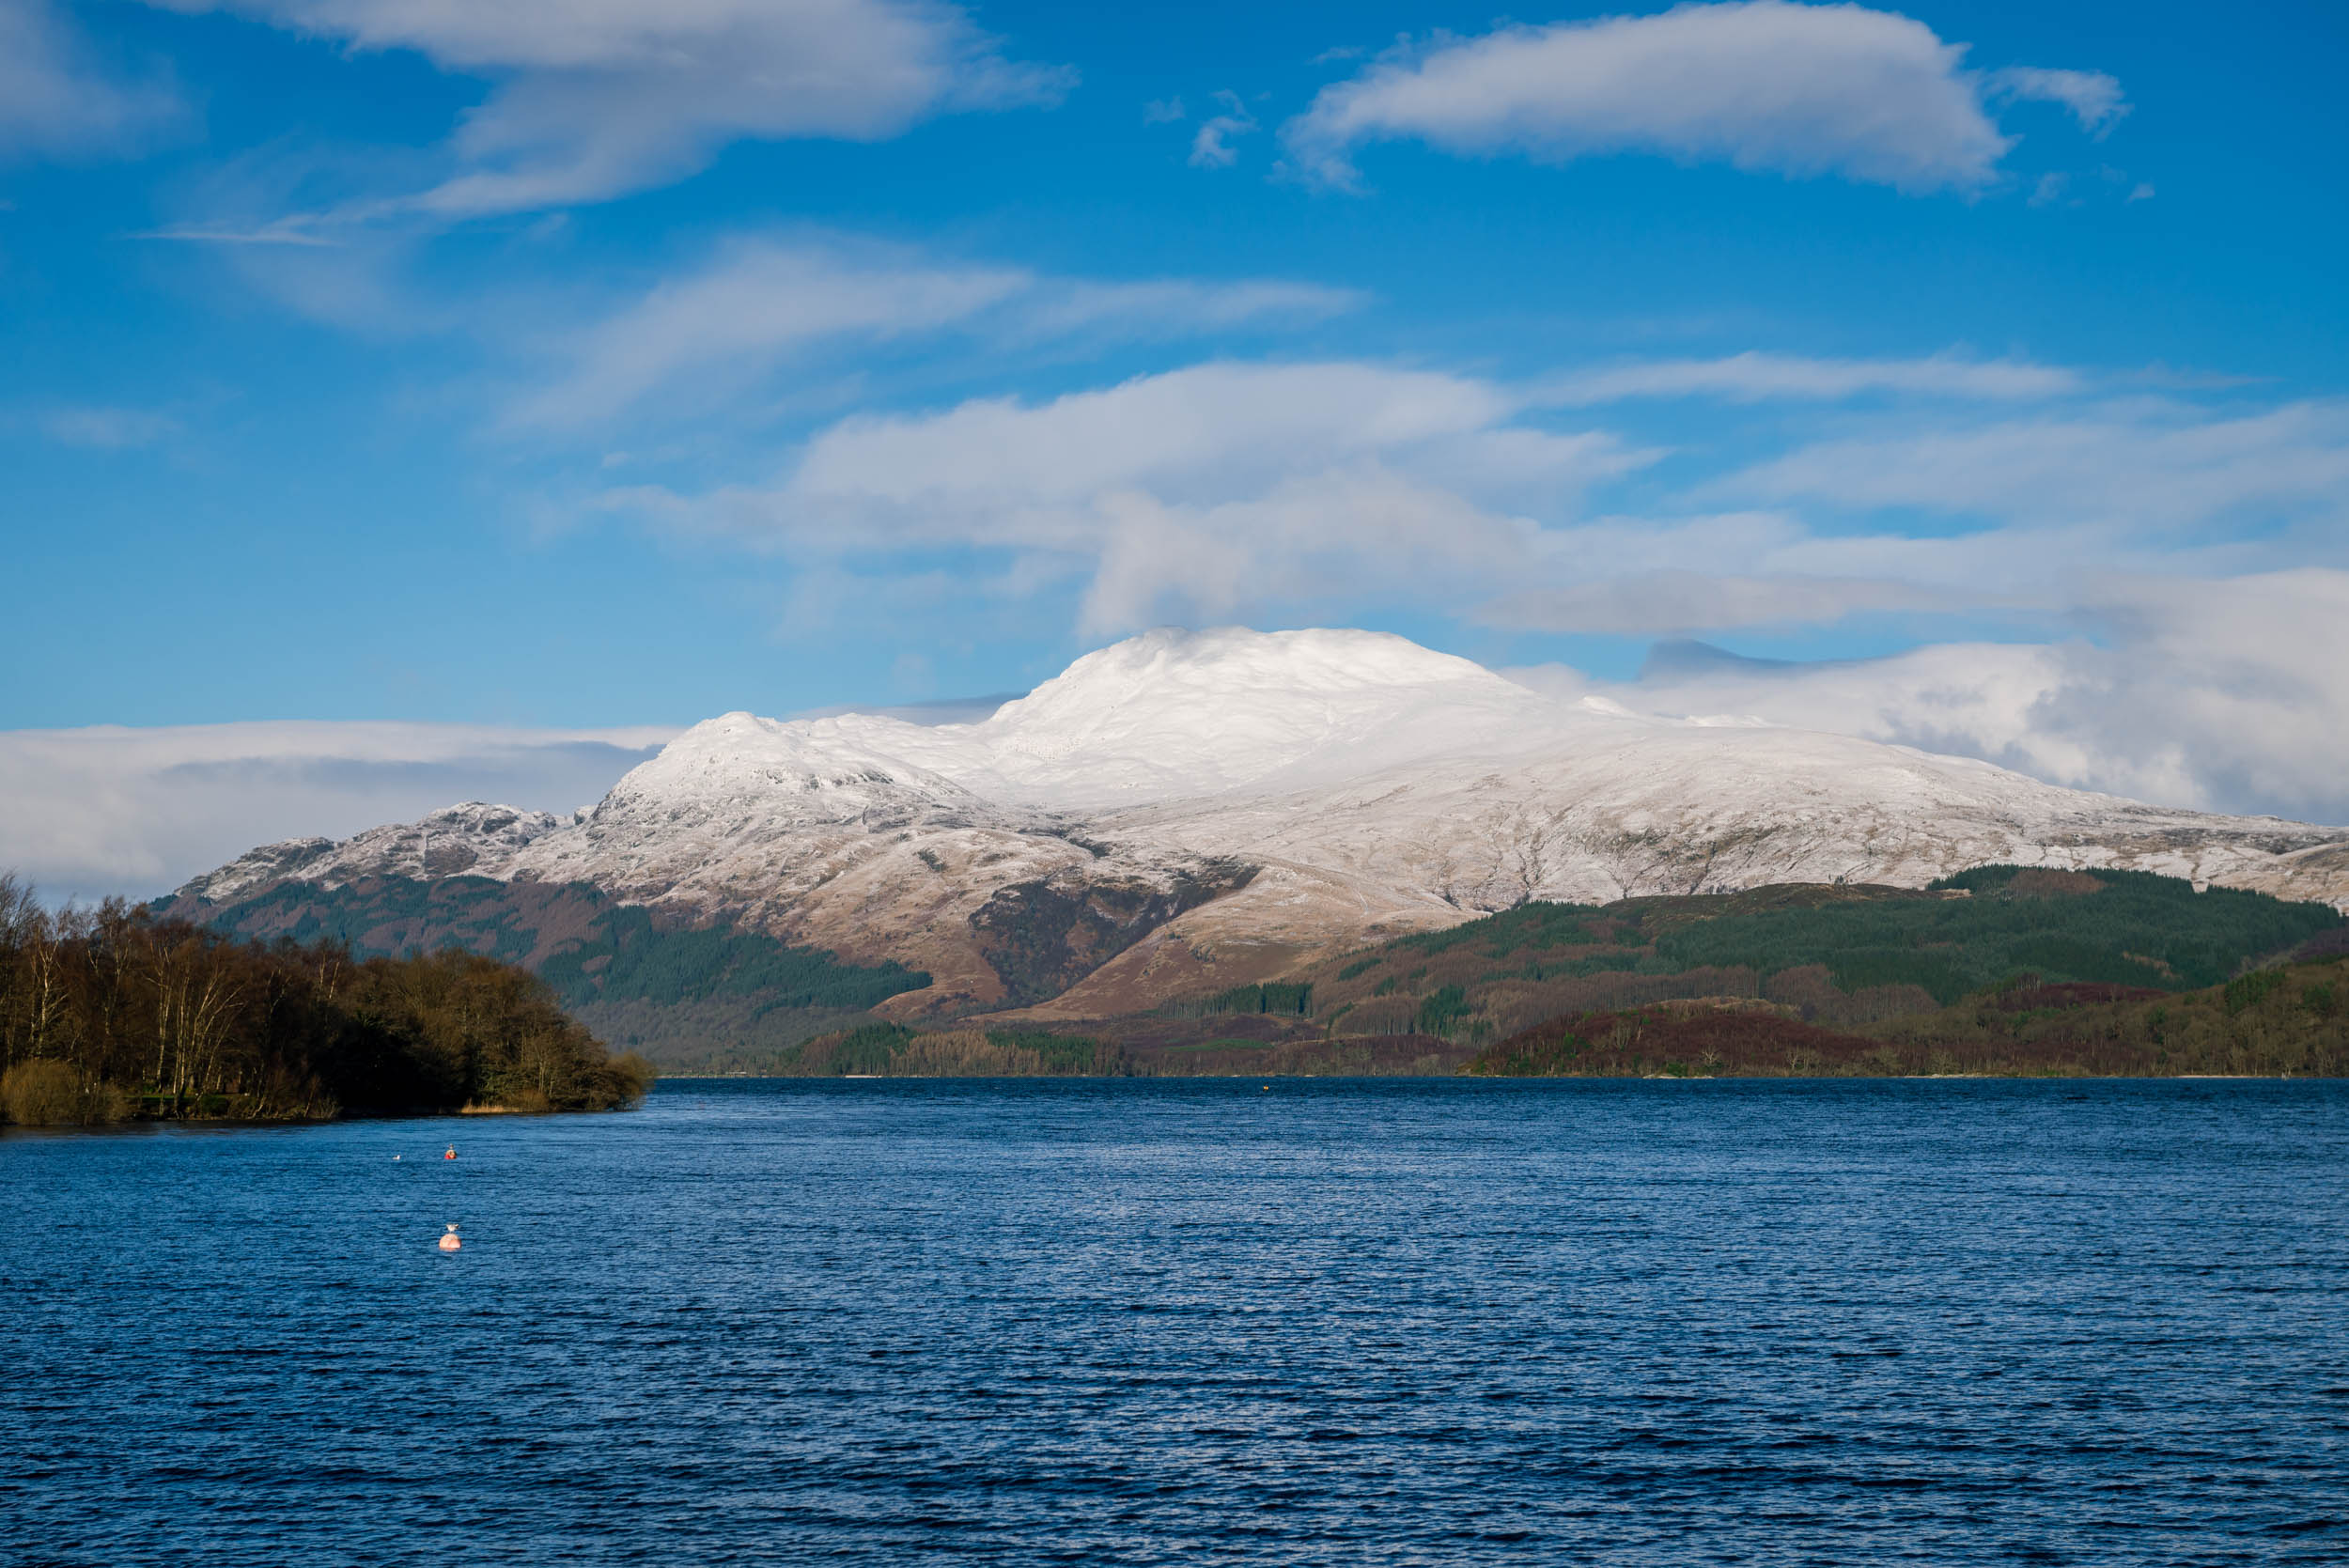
point(1184, 810)
point(1172, 715)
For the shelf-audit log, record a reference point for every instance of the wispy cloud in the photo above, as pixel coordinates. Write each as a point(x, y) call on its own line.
point(1212, 149)
point(592, 101)
point(1149, 308)
point(1763, 84)
point(283, 231)
point(2144, 464)
point(57, 101)
point(1204, 491)
point(1233, 489)
point(759, 303)
point(105, 427)
point(1666, 602)
point(2094, 98)
point(1754, 376)
point(755, 304)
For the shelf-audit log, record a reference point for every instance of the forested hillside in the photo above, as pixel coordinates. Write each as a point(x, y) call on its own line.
point(2000, 969)
point(114, 1012)
point(1833, 955)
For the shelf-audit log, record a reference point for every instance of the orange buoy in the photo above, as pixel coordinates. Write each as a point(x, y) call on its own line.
point(452, 1152)
point(449, 1242)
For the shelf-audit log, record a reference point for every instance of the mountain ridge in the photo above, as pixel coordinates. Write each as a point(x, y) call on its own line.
point(1190, 810)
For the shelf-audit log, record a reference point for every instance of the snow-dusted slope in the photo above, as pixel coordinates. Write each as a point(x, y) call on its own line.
point(1180, 715)
point(1310, 787)
point(472, 839)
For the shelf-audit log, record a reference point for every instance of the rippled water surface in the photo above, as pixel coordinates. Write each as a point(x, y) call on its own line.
point(1124, 1322)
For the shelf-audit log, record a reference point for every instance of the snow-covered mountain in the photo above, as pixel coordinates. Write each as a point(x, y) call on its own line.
point(1183, 811)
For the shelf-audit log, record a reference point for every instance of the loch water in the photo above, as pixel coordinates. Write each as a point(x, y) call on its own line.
point(1276, 1321)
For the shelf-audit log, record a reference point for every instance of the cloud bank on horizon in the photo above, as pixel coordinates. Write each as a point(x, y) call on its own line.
point(117, 811)
point(524, 369)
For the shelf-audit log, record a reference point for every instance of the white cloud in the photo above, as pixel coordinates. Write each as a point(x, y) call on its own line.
point(1229, 489)
point(1199, 491)
point(1171, 308)
point(756, 303)
point(594, 98)
point(1195, 433)
point(58, 100)
point(1793, 90)
point(1211, 148)
point(1753, 377)
point(1676, 576)
point(1645, 603)
point(2224, 694)
point(761, 301)
point(2145, 465)
point(91, 812)
point(2094, 98)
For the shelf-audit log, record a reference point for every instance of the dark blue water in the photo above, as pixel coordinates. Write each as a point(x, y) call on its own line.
point(1123, 1322)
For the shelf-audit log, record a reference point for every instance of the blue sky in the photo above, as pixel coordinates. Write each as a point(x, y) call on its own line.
point(576, 367)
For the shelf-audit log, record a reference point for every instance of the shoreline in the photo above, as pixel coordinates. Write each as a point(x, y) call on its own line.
point(1504, 1078)
point(9, 1129)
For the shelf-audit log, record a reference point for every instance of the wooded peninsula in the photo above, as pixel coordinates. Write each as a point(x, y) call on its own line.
point(111, 1014)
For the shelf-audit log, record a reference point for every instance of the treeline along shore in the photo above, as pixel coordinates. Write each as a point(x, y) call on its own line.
point(112, 1014)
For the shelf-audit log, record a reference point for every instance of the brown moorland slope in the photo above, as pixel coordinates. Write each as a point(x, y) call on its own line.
point(2291, 1021)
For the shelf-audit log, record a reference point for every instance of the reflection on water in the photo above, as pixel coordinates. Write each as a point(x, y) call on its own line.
point(1126, 1322)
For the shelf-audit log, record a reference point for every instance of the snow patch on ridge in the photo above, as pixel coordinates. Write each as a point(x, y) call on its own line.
point(474, 838)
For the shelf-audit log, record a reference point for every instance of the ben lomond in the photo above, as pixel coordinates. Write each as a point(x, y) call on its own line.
point(1176, 814)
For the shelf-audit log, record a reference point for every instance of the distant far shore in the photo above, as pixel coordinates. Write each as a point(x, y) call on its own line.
point(1516, 1078)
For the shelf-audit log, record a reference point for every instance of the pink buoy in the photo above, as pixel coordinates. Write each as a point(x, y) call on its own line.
point(449, 1242)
